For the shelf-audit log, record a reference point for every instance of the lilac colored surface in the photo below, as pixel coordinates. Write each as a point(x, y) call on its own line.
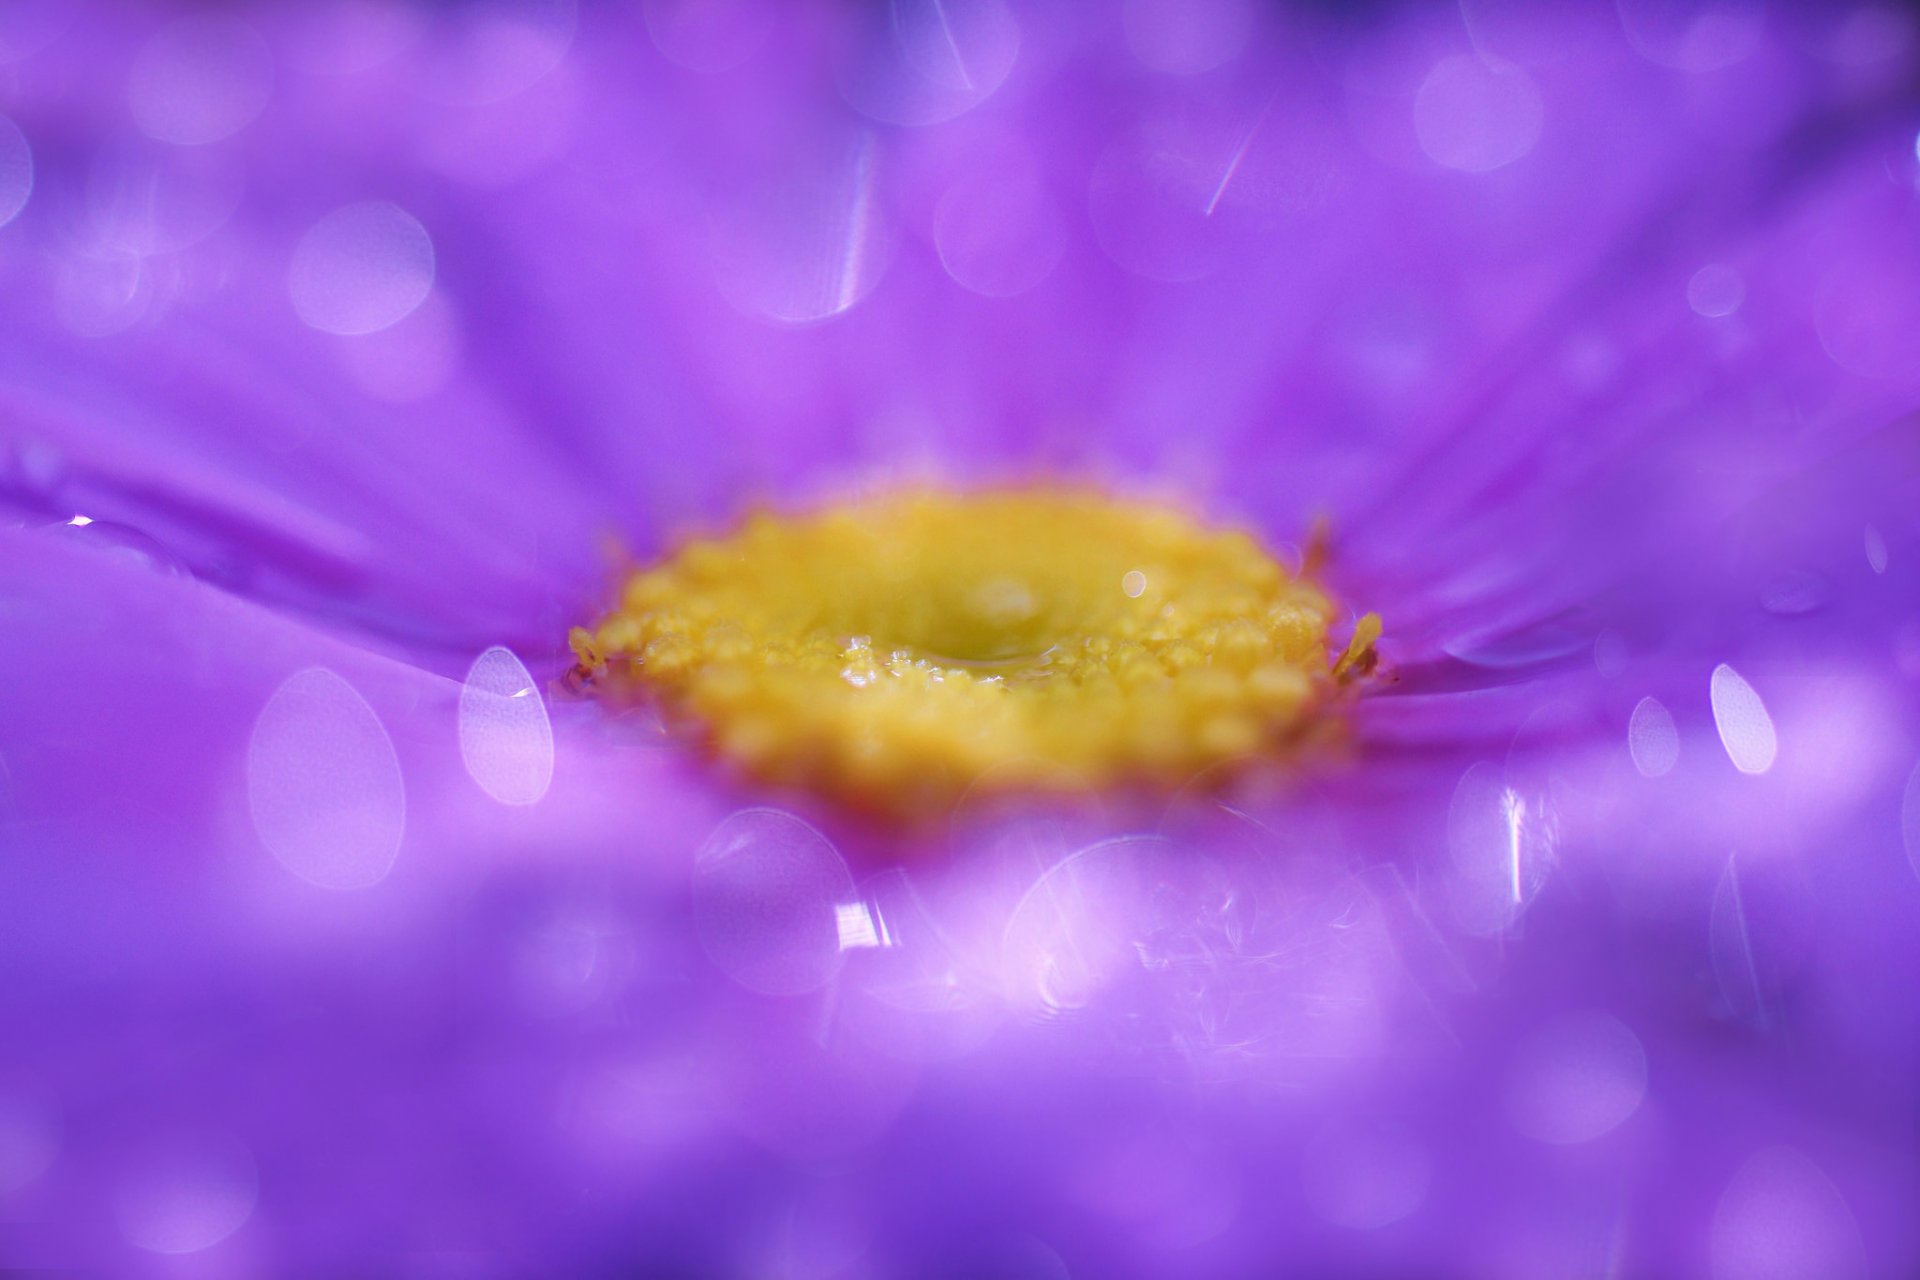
point(332, 944)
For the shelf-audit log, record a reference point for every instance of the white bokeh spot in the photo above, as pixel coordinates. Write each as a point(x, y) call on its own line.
point(1576, 1079)
point(769, 894)
point(506, 740)
point(1476, 116)
point(187, 1195)
point(1653, 739)
point(323, 783)
point(199, 80)
point(1746, 730)
point(362, 268)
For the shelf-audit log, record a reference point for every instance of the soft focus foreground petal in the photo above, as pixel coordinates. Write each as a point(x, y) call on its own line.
point(200, 948)
point(621, 1027)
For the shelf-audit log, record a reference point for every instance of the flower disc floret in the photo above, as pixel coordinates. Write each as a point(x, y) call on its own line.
point(894, 652)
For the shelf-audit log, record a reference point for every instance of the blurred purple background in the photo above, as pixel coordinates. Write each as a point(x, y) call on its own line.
point(342, 345)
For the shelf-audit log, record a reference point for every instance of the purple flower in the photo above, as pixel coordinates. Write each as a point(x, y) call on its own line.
point(343, 344)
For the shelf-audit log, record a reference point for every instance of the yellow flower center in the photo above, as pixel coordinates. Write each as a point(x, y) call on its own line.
point(895, 652)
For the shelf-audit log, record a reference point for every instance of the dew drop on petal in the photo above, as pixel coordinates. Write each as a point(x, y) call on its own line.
point(506, 740)
point(1716, 290)
point(16, 171)
point(1079, 929)
point(361, 268)
point(200, 79)
point(1151, 199)
point(324, 784)
point(126, 544)
point(1652, 738)
point(998, 233)
point(708, 35)
point(186, 1194)
point(1476, 116)
point(1746, 730)
point(1134, 583)
point(767, 893)
point(29, 1142)
point(808, 245)
point(1781, 1218)
point(1167, 949)
point(1365, 1176)
point(1876, 544)
point(1503, 845)
point(1185, 37)
point(1577, 1078)
point(1693, 35)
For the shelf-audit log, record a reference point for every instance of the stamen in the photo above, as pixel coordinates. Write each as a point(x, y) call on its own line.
point(891, 654)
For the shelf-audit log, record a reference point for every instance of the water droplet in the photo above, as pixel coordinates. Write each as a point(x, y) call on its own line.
point(1134, 583)
point(200, 79)
point(1910, 818)
point(1080, 928)
point(1503, 844)
point(1652, 738)
point(361, 268)
point(124, 543)
point(931, 60)
point(1576, 1079)
point(506, 740)
point(767, 889)
point(809, 244)
point(1746, 730)
point(324, 784)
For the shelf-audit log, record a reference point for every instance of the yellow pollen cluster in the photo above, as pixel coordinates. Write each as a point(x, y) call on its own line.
point(895, 652)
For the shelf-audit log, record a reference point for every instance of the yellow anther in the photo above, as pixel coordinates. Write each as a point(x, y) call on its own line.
point(893, 653)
